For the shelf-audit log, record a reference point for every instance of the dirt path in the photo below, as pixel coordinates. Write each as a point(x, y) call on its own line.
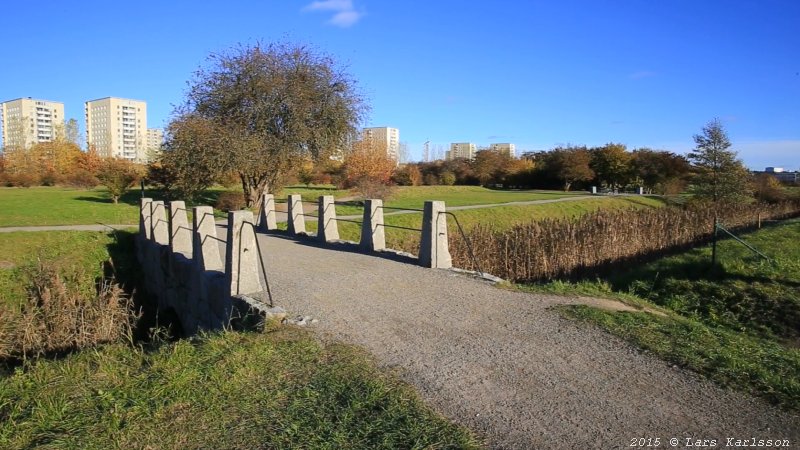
point(504, 363)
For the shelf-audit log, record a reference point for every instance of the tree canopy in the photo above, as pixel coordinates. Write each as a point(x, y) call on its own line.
point(263, 111)
point(720, 176)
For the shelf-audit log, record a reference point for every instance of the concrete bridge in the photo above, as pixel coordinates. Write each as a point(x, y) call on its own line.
point(501, 362)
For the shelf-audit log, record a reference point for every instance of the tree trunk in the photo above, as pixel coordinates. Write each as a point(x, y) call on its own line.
point(115, 199)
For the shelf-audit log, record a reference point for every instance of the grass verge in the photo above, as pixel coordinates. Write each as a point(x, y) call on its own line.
point(736, 323)
point(229, 390)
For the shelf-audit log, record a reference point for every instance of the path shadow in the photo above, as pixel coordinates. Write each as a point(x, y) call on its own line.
point(310, 240)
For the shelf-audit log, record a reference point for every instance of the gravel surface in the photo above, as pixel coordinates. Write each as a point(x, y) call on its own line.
point(503, 363)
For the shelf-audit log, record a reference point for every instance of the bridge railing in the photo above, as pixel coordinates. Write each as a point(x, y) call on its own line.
point(433, 249)
point(185, 271)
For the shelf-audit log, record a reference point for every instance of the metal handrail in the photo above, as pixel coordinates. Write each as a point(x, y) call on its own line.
point(401, 209)
point(739, 240)
point(398, 227)
point(466, 240)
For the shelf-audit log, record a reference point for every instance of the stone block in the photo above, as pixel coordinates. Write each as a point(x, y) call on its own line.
point(433, 246)
point(145, 218)
point(180, 234)
point(241, 257)
point(160, 226)
point(327, 226)
point(296, 219)
point(267, 220)
point(205, 244)
point(373, 235)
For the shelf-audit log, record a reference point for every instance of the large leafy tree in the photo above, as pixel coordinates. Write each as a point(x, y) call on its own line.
point(720, 176)
point(271, 107)
point(569, 165)
point(657, 169)
point(611, 165)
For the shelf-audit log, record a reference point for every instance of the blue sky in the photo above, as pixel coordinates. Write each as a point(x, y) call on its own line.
point(536, 73)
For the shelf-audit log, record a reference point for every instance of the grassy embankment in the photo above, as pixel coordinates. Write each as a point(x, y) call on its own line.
point(226, 390)
point(737, 323)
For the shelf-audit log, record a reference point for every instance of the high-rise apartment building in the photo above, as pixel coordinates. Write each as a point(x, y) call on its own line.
point(28, 121)
point(504, 148)
point(155, 138)
point(460, 150)
point(117, 127)
point(385, 137)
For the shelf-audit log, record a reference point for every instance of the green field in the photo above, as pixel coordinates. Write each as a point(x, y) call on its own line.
point(65, 206)
point(77, 255)
point(736, 323)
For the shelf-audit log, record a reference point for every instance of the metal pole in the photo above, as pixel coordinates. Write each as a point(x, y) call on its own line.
point(714, 244)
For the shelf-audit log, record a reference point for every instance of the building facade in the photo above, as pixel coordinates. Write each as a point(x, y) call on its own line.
point(505, 148)
point(117, 127)
point(464, 150)
point(28, 121)
point(155, 138)
point(384, 137)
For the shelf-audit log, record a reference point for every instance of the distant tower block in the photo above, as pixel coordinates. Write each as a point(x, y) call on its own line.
point(426, 152)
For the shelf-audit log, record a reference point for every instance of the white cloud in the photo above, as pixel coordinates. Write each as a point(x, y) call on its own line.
point(344, 15)
point(329, 5)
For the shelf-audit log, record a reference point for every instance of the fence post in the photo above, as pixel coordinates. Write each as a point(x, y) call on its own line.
point(145, 218)
point(594, 189)
point(327, 227)
point(433, 248)
point(373, 236)
point(160, 233)
point(180, 236)
point(241, 255)
point(297, 222)
point(205, 245)
point(267, 221)
point(714, 244)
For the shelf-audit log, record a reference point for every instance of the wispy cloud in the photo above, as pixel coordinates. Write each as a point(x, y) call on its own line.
point(642, 74)
point(344, 12)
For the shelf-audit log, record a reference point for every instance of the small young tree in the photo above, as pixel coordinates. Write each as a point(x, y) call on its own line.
point(720, 177)
point(117, 175)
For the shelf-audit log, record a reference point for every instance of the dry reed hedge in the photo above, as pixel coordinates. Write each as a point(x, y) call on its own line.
point(554, 248)
point(56, 317)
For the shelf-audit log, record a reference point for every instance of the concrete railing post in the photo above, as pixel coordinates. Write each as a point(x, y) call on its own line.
point(180, 235)
point(160, 226)
point(433, 248)
point(267, 220)
point(327, 226)
point(594, 190)
point(373, 236)
point(145, 218)
point(241, 256)
point(205, 245)
point(297, 222)
point(640, 190)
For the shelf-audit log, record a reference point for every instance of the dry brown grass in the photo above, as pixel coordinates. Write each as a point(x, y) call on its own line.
point(554, 248)
point(57, 317)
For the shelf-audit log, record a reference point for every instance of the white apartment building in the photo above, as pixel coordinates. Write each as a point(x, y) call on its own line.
point(28, 121)
point(155, 138)
point(384, 136)
point(460, 150)
point(504, 148)
point(117, 127)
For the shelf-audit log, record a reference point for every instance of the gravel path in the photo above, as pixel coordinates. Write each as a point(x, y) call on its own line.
point(502, 362)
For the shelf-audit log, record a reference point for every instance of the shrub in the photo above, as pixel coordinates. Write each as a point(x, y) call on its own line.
point(117, 175)
point(81, 178)
point(230, 201)
point(448, 178)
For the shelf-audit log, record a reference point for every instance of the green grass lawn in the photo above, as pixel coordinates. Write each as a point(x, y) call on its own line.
point(737, 323)
point(282, 389)
point(65, 206)
point(77, 255)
